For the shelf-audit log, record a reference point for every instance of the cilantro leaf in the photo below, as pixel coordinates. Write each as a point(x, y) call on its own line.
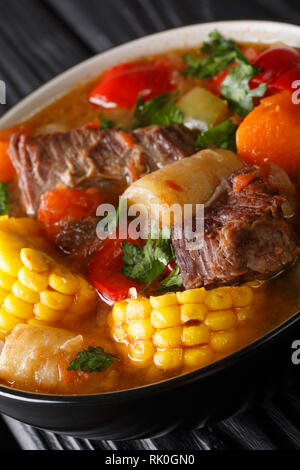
point(106, 123)
point(4, 199)
point(161, 111)
point(148, 264)
point(219, 53)
point(236, 88)
point(174, 279)
point(221, 136)
point(92, 360)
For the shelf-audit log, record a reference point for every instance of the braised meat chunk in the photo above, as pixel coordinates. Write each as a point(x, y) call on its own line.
point(247, 234)
point(78, 239)
point(92, 158)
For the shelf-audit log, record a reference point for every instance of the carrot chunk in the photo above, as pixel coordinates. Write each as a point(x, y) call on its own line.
point(271, 133)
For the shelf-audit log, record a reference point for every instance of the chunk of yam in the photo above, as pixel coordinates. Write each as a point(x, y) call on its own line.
point(198, 179)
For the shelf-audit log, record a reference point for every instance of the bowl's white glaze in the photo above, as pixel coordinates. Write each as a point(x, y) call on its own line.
point(189, 36)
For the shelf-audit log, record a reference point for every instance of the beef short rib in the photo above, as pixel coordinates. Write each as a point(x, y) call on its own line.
point(93, 158)
point(246, 234)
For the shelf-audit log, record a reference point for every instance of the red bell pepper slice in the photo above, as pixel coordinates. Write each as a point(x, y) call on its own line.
point(123, 84)
point(105, 272)
point(285, 81)
point(276, 62)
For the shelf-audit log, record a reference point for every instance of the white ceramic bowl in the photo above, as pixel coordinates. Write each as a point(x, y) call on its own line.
point(245, 31)
point(249, 374)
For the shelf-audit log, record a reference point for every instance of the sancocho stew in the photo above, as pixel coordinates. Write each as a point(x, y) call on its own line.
point(94, 297)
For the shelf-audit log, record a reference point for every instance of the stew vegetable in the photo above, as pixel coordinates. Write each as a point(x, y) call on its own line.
point(213, 127)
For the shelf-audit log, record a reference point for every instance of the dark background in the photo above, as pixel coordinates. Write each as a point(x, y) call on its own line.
point(40, 39)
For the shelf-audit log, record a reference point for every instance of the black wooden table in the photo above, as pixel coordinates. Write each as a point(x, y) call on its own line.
point(40, 39)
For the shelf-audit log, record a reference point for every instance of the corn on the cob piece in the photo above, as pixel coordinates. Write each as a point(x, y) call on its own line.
point(185, 329)
point(34, 287)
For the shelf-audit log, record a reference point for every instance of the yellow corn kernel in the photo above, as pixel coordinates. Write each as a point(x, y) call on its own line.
point(221, 320)
point(37, 322)
point(223, 341)
point(169, 359)
point(55, 300)
point(120, 332)
point(3, 294)
point(168, 338)
point(23, 293)
point(257, 284)
point(164, 300)
point(63, 281)
point(218, 299)
point(47, 314)
point(7, 322)
point(141, 352)
point(244, 314)
point(140, 329)
point(35, 260)
point(10, 262)
point(18, 307)
point(198, 356)
point(6, 281)
point(138, 309)
point(241, 296)
point(193, 296)
point(119, 312)
point(85, 300)
point(192, 312)
point(34, 281)
point(194, 335)
point(166, 317)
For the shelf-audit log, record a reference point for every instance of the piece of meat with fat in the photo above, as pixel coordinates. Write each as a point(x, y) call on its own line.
point(78, 239)
point(36, 358)
point(93, 158)
point(246, 233)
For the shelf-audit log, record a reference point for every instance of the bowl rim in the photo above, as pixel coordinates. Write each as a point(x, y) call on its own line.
point(84, 70)
point(232, 28)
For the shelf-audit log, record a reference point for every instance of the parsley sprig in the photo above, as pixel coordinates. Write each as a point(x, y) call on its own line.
point(219, 52)
point(236, 88)
point(148, 264)
point(4, 199)
point(106, 123)
point(92, 360)
point(221, 136)
point(161, 111)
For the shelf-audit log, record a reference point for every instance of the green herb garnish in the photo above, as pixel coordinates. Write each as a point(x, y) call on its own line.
point(173, 280)
point(4, 199)
point(236, 88)
point(161, 111)
point(92, 360)
point(219, 52)
point(106, 123)
point(148, 264)
point(221, 136)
